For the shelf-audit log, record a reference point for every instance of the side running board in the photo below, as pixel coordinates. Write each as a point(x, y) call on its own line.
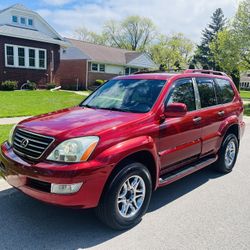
point(180, 173)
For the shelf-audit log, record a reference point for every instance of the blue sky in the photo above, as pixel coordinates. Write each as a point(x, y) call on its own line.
point(186, 16)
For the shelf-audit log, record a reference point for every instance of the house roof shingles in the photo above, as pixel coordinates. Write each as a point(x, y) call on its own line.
point(105, 54)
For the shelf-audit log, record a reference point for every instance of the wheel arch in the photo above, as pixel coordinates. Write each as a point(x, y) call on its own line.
point(144, 157)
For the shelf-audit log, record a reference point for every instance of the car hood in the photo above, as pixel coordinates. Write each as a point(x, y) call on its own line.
point(78, 121)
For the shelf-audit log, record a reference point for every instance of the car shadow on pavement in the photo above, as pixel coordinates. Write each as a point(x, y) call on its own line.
point(169, 193)
point(29, 224)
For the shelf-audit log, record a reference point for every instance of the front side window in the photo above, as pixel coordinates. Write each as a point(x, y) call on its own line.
point(41, 59)
point(128, 95)
point(207, 92)
point(10, 55)
point(224, 91)
point(32, 57)
point(21, 57)
point(183, 92)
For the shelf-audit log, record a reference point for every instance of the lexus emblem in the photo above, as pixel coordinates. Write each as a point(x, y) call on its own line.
point(24, 143)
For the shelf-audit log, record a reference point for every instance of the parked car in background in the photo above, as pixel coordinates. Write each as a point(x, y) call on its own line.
point(131, 136)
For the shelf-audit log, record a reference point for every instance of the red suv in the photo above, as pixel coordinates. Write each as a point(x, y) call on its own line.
point(132, 135)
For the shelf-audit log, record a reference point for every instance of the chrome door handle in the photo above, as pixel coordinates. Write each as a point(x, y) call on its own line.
point(221, 113)
point(196, 119)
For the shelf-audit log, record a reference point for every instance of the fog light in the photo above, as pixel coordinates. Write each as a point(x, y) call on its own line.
point(65, 188)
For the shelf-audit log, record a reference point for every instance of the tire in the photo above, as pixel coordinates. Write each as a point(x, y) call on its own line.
point(226, 160)
point(124, 214)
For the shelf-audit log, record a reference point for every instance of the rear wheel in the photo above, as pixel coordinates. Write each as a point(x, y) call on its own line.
point(227, 154)
point(126, 198)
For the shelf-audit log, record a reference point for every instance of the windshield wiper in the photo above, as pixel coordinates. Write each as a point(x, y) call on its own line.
point(113, 109)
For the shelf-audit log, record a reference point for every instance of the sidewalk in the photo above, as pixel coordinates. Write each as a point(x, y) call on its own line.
point(12, 120)
point(3, 184)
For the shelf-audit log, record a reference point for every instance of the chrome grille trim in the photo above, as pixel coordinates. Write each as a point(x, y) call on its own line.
point(37, 146)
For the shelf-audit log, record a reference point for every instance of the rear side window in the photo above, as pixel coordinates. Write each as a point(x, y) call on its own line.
point(207, 92)
point(224, 91)
point(183, 92)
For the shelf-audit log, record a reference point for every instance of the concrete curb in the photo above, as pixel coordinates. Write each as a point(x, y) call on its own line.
point(4, 185)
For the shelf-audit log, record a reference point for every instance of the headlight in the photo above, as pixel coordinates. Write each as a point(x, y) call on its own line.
point(10, 140)
point(74, 150)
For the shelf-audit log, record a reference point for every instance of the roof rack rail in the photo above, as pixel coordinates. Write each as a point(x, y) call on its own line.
point(205, 71)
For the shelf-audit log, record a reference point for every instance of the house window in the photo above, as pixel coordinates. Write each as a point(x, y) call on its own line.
point(21, 57)
point(23, 20)
point(32, 58)
point(10, 55)
point(30, 22)
point(94, 67)
point(102, 67)
point(133, 70)
point(25, 57)
point(129, 71)
point(41, 59)
point(14, 19)
point(98, 67)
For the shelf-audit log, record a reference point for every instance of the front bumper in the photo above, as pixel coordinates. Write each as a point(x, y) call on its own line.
point(35, 179)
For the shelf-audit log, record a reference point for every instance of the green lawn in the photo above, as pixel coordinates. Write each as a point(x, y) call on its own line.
point(245, 94)
point(29, 103)
point(4, 132)
point(247, 109)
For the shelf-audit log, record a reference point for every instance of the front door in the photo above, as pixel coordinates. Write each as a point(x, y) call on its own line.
point(180, 138)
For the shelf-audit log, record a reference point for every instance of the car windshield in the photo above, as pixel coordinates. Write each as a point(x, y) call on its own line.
point(127, 95)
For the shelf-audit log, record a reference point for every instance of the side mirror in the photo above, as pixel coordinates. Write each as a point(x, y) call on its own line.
point(175, 110)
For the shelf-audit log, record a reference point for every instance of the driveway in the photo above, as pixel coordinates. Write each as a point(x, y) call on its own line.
point(202, 211)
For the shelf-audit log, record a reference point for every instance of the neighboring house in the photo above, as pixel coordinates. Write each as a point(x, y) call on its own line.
point(29, 47)
point(245, 81)
point(83, 63)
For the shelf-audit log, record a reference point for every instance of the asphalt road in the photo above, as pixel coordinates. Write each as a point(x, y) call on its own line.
point(202, 211)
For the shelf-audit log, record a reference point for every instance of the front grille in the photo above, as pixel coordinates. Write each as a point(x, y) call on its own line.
point(31, 145)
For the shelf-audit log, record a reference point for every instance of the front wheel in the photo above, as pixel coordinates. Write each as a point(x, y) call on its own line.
point(227, 154)
point(126, 198)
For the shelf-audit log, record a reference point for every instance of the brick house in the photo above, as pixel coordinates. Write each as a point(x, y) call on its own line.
point(82, 63)
point(29, 47)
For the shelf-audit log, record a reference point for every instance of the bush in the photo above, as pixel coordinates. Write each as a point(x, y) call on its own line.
point(31, 85)
point(51, 85)
point(99, 82)
point(8, 85)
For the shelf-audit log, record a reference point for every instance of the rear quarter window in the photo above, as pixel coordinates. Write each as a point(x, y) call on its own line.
point(224, 90)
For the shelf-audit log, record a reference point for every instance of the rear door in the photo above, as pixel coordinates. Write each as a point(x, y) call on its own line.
point(211, 112)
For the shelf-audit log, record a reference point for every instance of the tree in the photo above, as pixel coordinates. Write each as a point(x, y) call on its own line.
point(172, 52)
point(83, 34)
point(203, 54)
point(133, 33)
point(241, 29)
point(226, 51)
